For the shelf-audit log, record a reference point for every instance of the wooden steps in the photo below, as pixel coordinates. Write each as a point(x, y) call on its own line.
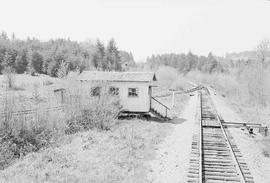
point(159, 115)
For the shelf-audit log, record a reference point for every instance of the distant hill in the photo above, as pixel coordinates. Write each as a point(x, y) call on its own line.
point(244, 55)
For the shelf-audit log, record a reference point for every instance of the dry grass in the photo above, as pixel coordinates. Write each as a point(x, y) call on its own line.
point(27, 81)
point(24, 133)
point(82, 143)
point(119, 155)
point(245, 91)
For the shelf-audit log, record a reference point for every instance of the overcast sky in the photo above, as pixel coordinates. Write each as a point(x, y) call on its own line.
point(144, 27)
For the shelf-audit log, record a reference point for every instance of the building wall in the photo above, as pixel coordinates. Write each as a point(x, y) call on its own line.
point(135, 104)
point(131, 104)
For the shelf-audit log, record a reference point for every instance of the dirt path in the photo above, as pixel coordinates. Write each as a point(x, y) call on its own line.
point(252, 148)
point(172, 157)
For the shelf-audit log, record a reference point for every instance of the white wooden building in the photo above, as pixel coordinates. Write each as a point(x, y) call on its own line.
point(133, 88)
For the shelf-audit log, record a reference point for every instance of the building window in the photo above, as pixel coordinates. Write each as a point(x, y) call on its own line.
point(114, 91)
point(133, 92)
point(95, 91)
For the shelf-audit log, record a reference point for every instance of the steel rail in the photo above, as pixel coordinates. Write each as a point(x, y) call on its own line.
point(238, 168)
point(201, 178)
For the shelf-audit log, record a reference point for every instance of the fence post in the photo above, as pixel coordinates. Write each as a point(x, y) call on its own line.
point(172, 99)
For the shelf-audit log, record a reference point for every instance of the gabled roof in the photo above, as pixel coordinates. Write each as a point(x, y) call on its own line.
point(117, 76)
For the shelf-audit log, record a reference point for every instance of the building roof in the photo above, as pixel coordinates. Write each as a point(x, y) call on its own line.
point(117, 76)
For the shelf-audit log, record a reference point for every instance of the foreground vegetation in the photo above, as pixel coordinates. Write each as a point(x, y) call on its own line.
point(118, 155)
point(82, 141)
point(21, 133)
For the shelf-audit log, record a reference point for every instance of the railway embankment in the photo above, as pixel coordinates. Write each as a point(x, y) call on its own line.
point(172, 155)
point(255, 148)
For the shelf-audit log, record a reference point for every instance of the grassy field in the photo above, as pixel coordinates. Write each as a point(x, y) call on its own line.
point(77, 147)
point(21, 133)
point(119, 155)
point(27, 91)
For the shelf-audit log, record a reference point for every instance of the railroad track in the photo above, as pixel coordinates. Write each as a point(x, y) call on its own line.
point(215, 157)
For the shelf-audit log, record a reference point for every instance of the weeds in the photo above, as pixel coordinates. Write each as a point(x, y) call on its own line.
point(10, 77)
point(266, 153)
point(35, 128)
point(95, 112)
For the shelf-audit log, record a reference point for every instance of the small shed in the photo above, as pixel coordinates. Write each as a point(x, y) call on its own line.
point(59, 91)
point(134, 89)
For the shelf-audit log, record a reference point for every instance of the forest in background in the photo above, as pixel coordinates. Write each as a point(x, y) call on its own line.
point(185, 63)
point(57, 57)
point(243, 78)
point(246, 73)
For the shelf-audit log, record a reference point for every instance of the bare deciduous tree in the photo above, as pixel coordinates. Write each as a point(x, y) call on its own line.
point(260, 74)
point(263, 50)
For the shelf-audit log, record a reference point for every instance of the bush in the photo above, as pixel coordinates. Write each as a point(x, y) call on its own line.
point(15, 146)
point(99, 113)
point(266, 153)
point(21, 134)
point(62, 70)
point(24, 133)
point(10, 77)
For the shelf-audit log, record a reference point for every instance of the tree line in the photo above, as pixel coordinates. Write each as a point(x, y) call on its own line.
point(187, 62)
point(58, 57)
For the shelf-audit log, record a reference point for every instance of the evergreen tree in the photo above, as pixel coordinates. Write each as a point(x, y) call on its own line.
point(37, 62)
point(113, 56)
point(46, 57)
point(211, 64)
point(21, 62)
point(9, 59)
point(54, 65)
point(3, 36)
point(95, 60)
point(102, 62)
point(191, 61)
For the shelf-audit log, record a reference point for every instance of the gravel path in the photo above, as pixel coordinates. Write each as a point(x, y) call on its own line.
point(172, 156)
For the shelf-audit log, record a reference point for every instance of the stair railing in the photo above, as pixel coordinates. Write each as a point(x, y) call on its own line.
point(154, 100)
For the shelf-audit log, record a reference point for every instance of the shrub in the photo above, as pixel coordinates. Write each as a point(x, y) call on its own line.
point(10, 77)
point(266, 153)
point(21, 134)
point(100, 113)
point(62, 70)
point(17, 145)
